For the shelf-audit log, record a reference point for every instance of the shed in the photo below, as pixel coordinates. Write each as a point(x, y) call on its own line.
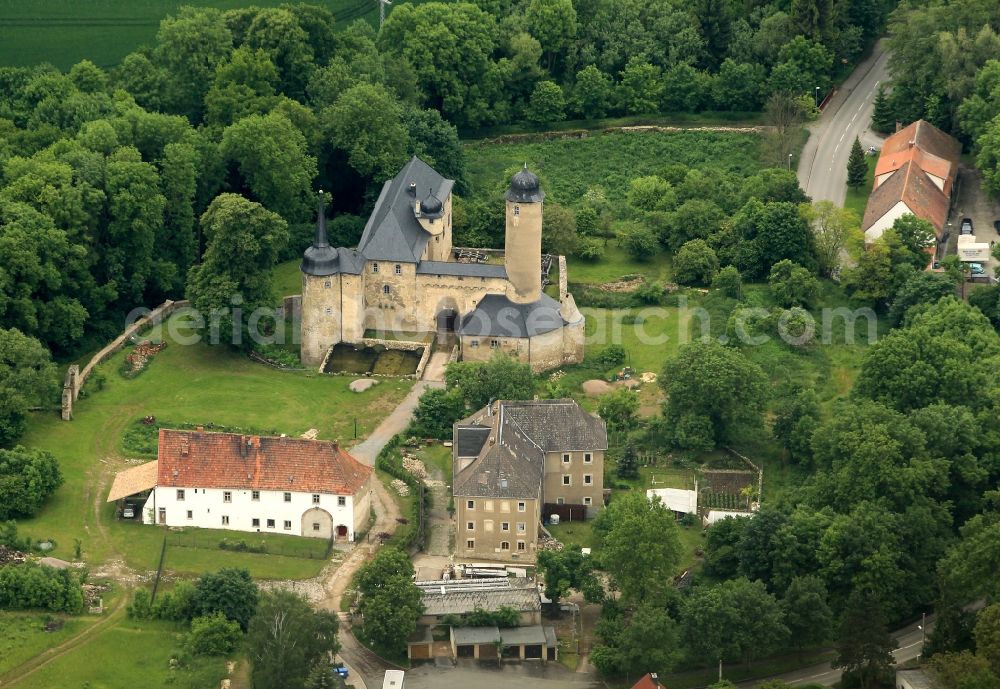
point(420, 645)
point(914, 679)
point(524, 643)
point(475, 642)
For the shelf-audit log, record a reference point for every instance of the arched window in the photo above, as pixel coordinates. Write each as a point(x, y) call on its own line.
point(385, 289)
point(374, 267)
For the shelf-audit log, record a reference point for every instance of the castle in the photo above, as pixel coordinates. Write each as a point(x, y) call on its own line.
point(404, 277)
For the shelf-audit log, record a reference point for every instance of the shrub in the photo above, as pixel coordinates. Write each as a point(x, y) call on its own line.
point(589, 248)
point(612, 355)
point(729, 281)
point(650, 293)
point(141, 607)
point(28, 586)
point(27, 478)
point(638, 241)
point(695, 263)
point(212, 635)
point(792, 285)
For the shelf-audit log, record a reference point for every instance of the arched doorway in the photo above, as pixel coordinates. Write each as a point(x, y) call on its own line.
point(317, 523)
point(342, 532)
point(446, 320)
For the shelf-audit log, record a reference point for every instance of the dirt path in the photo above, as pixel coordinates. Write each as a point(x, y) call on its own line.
point(396, 422)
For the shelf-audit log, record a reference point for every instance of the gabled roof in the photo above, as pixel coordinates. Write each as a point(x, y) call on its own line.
point(393, 232)
point(649, 681)
point(513, 464)
point(938, 151)
point(196, 459)
point(911, 186)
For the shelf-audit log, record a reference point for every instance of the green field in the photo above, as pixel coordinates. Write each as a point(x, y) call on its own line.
point(286, 279)
point(22, 636)
point(185, 384)
point(128, 655)
point(64, 32)
point(609, 160)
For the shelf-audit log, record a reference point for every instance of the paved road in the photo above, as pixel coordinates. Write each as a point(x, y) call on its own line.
point(823, 166)
point(909, 640)
point(486, 676)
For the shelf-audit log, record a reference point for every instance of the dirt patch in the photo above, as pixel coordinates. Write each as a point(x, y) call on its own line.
point(594, 387)
point(624, 284)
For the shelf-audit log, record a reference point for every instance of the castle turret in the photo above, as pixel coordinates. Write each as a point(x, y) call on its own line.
point(523, 241)
point(321, 295)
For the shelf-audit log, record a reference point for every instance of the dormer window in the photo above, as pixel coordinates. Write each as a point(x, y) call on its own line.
point(374, 267)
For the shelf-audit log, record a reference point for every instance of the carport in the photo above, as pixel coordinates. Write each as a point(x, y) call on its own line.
point(133, 486)
point(475, 642)
point(525, 643)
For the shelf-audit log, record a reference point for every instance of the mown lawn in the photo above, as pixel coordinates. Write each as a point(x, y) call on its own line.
point(616, 263)
point(185, 384)
point(23, 636)
point(129, 654)
point(64, 32)
point(857, 199)
point(286, 279)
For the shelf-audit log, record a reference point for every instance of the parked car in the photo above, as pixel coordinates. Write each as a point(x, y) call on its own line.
point(966, 225)
point(128, 512)
point(340, 670)
point(977, 269)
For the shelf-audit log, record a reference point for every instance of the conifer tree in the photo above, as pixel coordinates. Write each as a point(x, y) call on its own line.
point(883, 118)
point(857, 168)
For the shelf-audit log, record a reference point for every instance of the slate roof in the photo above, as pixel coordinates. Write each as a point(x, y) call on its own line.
point(910, 185)
point(478, 270)
point(498, 316)
point(518, 593)
point(917, 678)
point(470, 440)
point(514, 465)
point(468, 636)
point(196, 459)
point(393, 232)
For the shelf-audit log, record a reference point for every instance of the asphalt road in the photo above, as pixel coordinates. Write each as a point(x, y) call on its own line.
point(823, 165)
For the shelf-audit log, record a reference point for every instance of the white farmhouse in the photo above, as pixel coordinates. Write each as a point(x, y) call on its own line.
point(249, 483)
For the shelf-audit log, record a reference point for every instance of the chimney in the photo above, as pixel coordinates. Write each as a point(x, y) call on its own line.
point(416, 208)
point(244, 444)
point(185, 445)
point(412, 190)
point(200, 429)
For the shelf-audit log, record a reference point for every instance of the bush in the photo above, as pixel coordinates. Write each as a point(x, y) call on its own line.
point(242, 546)
point(729, 281)
point(589, 248)
point(792, 285)
point(695, 263)
point(279, 356)
point(612, 355)
point(638, 241)
point(27, 478)
point(213, 635)
point(390, 460)
point(28, 586)
point(652, 293)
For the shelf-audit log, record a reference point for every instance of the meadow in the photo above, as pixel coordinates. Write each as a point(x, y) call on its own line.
point(185, 384)
point(63, 32)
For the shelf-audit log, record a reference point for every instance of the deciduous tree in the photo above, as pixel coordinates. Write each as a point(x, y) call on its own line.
point(27, 379)
point(864, 646)
point(286, 638)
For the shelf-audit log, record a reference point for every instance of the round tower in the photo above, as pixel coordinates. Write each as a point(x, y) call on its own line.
point(321, 307)
point(523, 238)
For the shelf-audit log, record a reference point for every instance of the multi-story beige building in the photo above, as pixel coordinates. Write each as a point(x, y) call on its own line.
point(404, 276)
point(516, 463)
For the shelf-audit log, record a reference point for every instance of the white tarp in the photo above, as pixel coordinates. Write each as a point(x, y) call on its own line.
point(676, 499)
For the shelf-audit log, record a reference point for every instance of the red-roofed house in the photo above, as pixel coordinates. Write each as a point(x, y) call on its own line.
point(258, 484)
point(915, 173)
point(649, 681)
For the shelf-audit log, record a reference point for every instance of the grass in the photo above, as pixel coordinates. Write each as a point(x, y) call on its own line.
point(436, 457)
point(609, 160)
point(615, 263)
point(128, 655)
point(22, 636)
point(196, 384)
point(286, 279)
point(857, 199)
point(64, 32)
point(681, 119)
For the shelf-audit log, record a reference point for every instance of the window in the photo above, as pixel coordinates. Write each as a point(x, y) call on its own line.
point(560, 501)
point(504, 505)
point(474, 344)
point(588, 479)
point(470, 505)
point(399, 269)
point(374, 267)
point(327, 284)
point(315, 498)
point(470, 526)
point(505, 526)
point(521, 507)
point(488, 506)
point(521, 527)
point(288, 497)
point(587, 458)
point(255, 495)
point(385, 289)
point(225, 520)
point(566, 457)
point(288, 525)
point(504, 545)
point(341, 501)
point(494, 344)
point(270, 523)
point(567, 480)
point(180, 493)
point(488, 525)
point(470, 544)
point(587, 501)
point(329, 311)
point(517, 210)
point(227, 496)
point(190, 514)
point(255, 523)
point(520, 546)
point(315, 526)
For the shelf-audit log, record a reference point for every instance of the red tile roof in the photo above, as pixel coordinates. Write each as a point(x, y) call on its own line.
point(196, 459)
point(650, 681)
point(911, 186)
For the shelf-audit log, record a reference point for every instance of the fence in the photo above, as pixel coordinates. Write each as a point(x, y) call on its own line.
point(159, 568)
point(270, 544)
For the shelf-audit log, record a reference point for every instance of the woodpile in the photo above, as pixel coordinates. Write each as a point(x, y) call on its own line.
point(548, 543)
point(414, 466)
point(400, 487)
point(9, 556)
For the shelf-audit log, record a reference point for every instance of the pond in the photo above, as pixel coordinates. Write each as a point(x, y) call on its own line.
point(345, 358)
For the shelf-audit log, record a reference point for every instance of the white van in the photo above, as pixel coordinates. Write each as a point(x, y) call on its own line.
point(393, 679)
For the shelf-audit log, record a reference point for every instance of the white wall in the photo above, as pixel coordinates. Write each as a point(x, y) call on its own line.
point(207, 510)
point(886, 221)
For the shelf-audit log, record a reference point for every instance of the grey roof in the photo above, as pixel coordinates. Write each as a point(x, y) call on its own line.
point(467, 636)
point(320, 258)
point(514, 465)
point(470, 440)
point(516, 636)
point(421, 635)
point(550, 637)
point(393, 232)
point(498, 316)
point(518, 593)
point(918, 679)
point(524, 187)
point(478, 270)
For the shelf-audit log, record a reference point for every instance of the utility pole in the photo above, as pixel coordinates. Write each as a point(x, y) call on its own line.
point(381, 11)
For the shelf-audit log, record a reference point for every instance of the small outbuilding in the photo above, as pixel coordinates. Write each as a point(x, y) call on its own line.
point(481, 643)
point(914, 679)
